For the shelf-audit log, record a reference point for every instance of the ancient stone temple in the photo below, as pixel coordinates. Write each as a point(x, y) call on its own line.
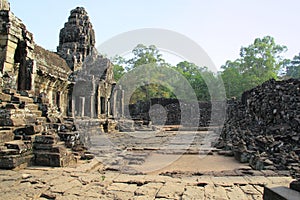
point(91, 80)
point(42, 91)
point(27, 67)
point(76, 39)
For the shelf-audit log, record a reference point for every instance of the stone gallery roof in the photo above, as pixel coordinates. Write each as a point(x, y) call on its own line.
point(50, 63)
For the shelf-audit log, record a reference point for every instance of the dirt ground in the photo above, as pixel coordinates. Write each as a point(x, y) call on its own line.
point(187, 163)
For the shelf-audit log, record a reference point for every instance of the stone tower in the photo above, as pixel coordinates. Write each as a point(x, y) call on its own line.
point(76, 39)
point(4, 5)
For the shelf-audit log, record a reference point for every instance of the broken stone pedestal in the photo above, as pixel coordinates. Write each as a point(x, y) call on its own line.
point(280, 193)
point(15, 153)
point(295, 185)
point(49, 152)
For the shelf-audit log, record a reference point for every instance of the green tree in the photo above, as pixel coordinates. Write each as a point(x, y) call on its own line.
point(197, 78)
point(258, 63)
point(119, 70)
point(293, 68)
point(145, 55)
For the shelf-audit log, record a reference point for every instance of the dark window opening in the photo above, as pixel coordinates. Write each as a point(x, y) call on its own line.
point(102, 102)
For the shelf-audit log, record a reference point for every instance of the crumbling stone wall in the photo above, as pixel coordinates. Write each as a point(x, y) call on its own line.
point(173, 109)
point(28, 67)
point(16, 53)
point(51, 80)
point(264, 127)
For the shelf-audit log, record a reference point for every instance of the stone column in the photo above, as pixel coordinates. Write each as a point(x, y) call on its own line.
point(114, 104)
point(92, 98)
point(108, 108)
point(73, 108)
point(81, 106)
point(99, 102)
point(92, 104)
point(122, 103)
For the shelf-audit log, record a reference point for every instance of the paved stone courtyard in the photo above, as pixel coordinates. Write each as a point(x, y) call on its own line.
point(130, 152)
point(120, 174)
point(90, 181)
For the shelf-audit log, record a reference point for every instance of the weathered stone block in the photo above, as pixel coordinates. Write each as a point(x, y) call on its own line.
point(13, 161)
point(295, 185)
point(12, 122)
point(19, 99)
point(18, 145)
point(6, 136)
point(46, 139)
point(11, 106)
point(5, 97)
point(126, 126)
point(280, 193)
point(53, 159)
point(42, 146)
point(29, 130)
point(7, 152)
point(9, 91)
point(242, 157)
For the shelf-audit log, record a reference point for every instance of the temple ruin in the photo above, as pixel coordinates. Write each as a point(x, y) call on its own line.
point(56, 108)
point(44, 92)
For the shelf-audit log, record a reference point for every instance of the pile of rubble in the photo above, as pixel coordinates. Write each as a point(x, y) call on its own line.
point(27, 137)
point(264, 127)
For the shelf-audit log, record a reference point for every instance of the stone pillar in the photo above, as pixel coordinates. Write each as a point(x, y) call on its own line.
point(114, 104)
point(81, 106)
point(73, 108)
point(122, 103)
point(108, 108)
point(92, 106)
point(99, 102)
point(92, 98)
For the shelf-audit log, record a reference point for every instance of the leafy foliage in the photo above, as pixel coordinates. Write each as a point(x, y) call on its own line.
point(194, 75)
point(258, 63)
point(293, 68)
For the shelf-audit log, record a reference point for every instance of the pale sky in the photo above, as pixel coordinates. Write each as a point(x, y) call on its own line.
point(219, 27)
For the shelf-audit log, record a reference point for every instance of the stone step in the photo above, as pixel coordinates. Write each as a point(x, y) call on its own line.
point(32, 106)
point(9, 91)
point(5, 97)
point(6, 136)
point(18, 145)
point(13, 161)
point(37, 113)
point(13, 122)
point(7, 152)
point(19, 99)
point(46, 158)
point(29, 130)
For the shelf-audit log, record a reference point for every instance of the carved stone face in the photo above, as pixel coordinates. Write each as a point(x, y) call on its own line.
point(77, 37)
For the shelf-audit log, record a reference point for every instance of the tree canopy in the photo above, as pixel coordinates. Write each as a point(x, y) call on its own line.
point(293, 67)
point(257, 63)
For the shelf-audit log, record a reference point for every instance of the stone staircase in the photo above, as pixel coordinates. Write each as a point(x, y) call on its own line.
point(27, 137)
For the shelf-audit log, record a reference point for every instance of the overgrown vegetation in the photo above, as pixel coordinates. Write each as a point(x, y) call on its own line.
point(258, 62)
